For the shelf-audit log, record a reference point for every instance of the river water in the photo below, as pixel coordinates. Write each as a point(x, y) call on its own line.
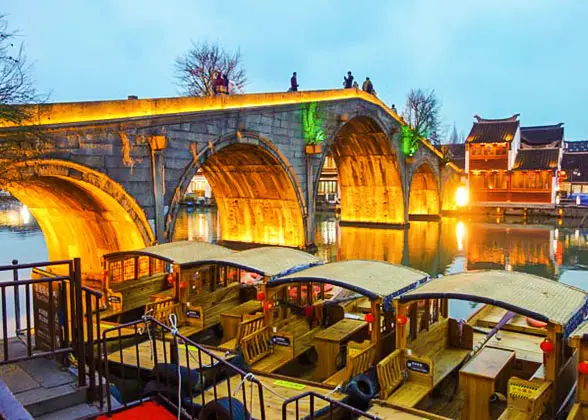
point(548, 248)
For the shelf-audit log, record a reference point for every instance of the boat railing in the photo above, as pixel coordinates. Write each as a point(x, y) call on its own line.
point(331, 408)
point(59, 320)
point(184, 375)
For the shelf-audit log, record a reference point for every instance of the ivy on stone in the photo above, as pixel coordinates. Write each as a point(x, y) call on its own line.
point(312, 125)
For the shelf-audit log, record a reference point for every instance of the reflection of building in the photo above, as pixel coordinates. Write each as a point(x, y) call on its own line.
point(574, 167)
point(507, 163)
point(328, 186)
point(529, 249)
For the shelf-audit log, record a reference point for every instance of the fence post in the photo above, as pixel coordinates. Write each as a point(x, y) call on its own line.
point(16, 298)
point(81, 356)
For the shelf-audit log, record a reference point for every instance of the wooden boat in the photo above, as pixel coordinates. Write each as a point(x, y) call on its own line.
point(133, 279)
point(347, 334)
point(579, 340)
point(494, 364)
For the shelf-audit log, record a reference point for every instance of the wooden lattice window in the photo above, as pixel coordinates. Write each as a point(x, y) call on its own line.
point(143, 266)
point(116, 271)
point(129, 269)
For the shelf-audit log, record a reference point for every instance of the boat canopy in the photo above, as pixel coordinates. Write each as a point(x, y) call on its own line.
point(183, 253)
point(579, 335)
point(374, 279)
point(268, 261)
point(533, 296)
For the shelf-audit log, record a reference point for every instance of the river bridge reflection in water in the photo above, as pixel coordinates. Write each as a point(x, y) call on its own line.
point(451, 245)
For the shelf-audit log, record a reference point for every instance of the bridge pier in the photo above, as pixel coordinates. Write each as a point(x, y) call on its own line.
point(158, 145)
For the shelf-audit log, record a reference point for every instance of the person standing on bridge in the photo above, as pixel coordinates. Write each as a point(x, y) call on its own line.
point(218, 84)
point(368, 86)
point(348, 81)
point(226, 83)
point(294, 83)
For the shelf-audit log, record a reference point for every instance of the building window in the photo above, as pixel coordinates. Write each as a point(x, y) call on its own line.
point(495, 181)
point(327, 187)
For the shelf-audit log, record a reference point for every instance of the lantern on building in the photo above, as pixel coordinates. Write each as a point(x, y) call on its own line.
point(260, 296)
point(402, 320)
point(583, 367)
point(369, 317)
point(268, 306)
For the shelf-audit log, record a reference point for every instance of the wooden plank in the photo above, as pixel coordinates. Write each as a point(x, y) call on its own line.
point(490, 316)
point(341, 330)
point(272, 402)
point(385, 410)
point(488, 363)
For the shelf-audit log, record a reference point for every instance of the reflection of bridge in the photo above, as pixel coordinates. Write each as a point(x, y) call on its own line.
point(119, 164)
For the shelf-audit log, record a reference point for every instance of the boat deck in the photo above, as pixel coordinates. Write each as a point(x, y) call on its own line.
point(142, 353)
point(281, 389)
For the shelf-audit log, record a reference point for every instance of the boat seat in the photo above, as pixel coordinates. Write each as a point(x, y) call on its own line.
point(360, 356)
point(409, 395)
point(246, 327)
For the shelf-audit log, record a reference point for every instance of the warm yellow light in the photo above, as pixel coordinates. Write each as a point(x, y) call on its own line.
point(461, 196)
point(25, 215)
point(460, 233)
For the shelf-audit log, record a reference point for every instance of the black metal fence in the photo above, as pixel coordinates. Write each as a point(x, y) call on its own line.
point(332, 409)
point(61, 317)
point(159, 363)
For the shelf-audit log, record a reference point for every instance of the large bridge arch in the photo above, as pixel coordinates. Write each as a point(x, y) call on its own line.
point(370, 176)
point(81, 212)
point(258, 195)
point(423, 194)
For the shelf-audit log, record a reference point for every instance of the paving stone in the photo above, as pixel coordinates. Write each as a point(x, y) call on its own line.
point(17, 379)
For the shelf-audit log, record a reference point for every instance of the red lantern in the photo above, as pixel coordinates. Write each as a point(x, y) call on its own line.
point(267, 306)
point(170, 279)
point(546, 346)
point(402, 320)
point(308, 311)
point(183, 285)
point(583, 367)
point(260, 296)
point(369, 317)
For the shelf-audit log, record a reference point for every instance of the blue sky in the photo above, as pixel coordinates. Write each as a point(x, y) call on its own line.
point(488, 57)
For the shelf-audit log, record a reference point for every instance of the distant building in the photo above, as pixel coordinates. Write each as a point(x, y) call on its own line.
point(507, 163)
point(328, 187)
point(199, 191)
point(574, 165)
point(456, 153)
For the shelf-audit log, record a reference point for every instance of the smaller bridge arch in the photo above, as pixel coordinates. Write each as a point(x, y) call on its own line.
point(423, 194)
point(257, 192)
point(81, 212)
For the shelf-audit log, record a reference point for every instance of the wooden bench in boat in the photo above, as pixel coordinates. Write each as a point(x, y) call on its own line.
point(526, 399)
point(401, 385)
point(433, 356)
point(162, 309)
point(292, 340)
point(133, 294)
point(231, 320)
point(360, 357)
point(250, 325)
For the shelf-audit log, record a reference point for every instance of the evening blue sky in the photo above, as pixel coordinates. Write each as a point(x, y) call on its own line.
point(488, 57)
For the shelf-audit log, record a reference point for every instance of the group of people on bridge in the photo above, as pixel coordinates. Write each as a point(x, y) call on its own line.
point(348, 83)
point(221, 84)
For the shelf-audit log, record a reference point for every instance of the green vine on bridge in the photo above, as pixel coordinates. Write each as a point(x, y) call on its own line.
point(409, 140)
point(312, 125)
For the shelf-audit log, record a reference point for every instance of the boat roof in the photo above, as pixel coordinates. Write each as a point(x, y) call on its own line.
point(581, 331)
point(183, 253)
point(374, 279)
point(533, 296)
point(269, 261)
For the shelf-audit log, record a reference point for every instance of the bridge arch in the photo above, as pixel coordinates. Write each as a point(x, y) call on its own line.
point(81, 212)
point(370, 176)
point(423, 194)
point(258, 195)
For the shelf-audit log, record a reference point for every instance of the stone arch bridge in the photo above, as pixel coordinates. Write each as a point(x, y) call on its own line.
point(117, 169)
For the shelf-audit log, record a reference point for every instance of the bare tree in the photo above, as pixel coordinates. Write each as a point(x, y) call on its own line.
point(195, 70)
point(422, 111)
point(24, 140)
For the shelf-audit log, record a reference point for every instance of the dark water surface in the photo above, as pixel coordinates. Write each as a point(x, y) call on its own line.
point(452, 245)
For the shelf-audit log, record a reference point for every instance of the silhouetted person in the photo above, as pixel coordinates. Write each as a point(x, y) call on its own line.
point(368, 86)
point(348, 81)
point(293, 83)
point(355, 85)
point(218, 84)
point(226, 83)
point(394, 108)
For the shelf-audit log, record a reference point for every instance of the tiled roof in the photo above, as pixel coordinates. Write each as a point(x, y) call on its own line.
point(531, 159)
point(576, 166)
point(457, 152)
point(576, 146)
point(493, 131)
point(541, 135)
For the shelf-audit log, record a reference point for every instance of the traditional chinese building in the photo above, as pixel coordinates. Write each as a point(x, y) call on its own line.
point(574, 165)
point(513, 165)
